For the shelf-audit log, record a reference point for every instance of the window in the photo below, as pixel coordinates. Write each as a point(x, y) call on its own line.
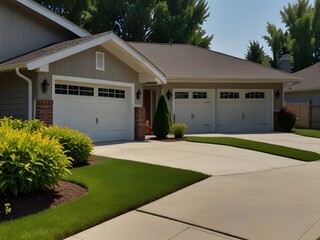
point(100, 61)
point(255, 95)
point(111, 93)
point(73, 90)
point(199, 95)
point(229, 95)
point(181, 95)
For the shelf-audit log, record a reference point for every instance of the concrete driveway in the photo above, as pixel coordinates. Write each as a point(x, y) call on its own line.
point(250, 196)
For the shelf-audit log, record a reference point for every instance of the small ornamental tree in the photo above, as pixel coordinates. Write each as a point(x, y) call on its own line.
point(161, 122)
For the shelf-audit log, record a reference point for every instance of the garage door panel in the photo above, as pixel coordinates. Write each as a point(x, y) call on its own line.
point(101, 118)
point(248, 113)
point(196, 113)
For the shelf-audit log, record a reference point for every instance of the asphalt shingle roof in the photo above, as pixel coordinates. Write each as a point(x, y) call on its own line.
point(181, 61)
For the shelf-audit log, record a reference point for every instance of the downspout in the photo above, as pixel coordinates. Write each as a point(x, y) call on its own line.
point(28, 80)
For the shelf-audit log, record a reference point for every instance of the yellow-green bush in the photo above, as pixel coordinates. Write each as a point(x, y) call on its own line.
point(31, 126)
point(77, 145)
point(29, 161)
point(178, 130)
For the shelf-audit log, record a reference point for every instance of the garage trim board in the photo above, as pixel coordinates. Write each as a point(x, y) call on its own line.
point(101, 109)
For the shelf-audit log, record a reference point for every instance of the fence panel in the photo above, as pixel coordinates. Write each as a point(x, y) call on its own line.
point(315, 116)
point(303, 112)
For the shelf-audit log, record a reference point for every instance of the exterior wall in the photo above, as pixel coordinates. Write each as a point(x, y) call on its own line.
point(83, 65)
point(24, 31)
point(13, 96)
point(303, 97)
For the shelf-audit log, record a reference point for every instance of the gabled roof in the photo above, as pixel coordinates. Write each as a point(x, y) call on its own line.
point(181, 63)
point(108, 40)
point(46, 13)
point(310, 81)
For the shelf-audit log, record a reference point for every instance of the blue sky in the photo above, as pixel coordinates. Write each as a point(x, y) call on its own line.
point(235, 22)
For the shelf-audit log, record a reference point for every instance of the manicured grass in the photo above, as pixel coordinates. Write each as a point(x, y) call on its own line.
point(307, 132)
point(115, 187)
point(260, 147)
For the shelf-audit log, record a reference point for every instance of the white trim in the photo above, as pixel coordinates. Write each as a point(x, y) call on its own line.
point(160, 77)
point(98, 55)
point(55, 18)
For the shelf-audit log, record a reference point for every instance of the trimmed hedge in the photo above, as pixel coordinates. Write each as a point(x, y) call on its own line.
point(77, 145)
point(29, 161)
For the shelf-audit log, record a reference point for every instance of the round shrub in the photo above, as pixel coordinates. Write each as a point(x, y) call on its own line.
point(29, 161)
point(288, 119)
point(161, 123)
point(77, 145)
point(178, 129)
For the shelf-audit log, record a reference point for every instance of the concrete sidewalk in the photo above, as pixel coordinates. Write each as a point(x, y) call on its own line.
point(251, 195)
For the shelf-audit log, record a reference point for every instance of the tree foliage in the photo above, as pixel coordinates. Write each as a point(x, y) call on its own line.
point(255, 53)
point(77, 11)
point(139, 20)
point(302, 34)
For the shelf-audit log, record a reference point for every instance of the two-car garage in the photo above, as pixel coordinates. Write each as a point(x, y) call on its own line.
point(224, 110)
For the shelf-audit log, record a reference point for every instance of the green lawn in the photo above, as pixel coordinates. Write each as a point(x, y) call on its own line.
point(115, 187)
point(307, 132)
point(260, 147)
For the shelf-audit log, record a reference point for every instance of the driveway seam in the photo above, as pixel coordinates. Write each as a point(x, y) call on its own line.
point(309, 229)
point(191, 224)
point(187, 228)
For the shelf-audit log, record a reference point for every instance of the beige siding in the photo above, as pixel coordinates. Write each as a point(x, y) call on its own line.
point(13, 96)
point(303, 97)
point(82, 65)
point(23, 31)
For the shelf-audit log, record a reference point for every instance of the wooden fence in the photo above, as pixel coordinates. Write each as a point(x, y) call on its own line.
point(308, 115)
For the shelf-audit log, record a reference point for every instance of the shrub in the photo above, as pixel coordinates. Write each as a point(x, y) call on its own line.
point(29, 161)
point(77, 145)
point(288, 119)
point(31, 126)
point(161, 123)
point(178, 129)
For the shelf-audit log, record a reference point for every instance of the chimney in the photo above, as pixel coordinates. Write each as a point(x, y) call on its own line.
point(284, 63)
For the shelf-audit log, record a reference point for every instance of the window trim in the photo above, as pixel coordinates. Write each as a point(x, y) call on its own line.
point(100, 56)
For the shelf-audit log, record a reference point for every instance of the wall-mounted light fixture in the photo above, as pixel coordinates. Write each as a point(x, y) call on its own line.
point(138, 94)
point(45, 86)
point(169, 94)
point(277, 94)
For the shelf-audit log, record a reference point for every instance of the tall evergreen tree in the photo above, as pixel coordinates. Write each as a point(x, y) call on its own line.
point(255, 53)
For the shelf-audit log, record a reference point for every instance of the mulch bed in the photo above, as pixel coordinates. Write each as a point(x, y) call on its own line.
point(36, 202)
point(168, 139)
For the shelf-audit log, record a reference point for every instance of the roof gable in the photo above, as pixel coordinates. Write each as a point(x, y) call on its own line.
point(181, 62)
point(46, 13)
point(108, 40)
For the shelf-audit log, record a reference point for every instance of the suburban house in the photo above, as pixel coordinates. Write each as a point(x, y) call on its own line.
point(308, 91)
point(55, 71)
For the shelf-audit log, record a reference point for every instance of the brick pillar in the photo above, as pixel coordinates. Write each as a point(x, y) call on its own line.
point(139, 123)
point(44, 111)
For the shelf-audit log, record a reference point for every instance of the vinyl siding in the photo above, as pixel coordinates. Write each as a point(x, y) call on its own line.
point(83, 65)
point(303, 97)
point(13, 96)
point(23, 31)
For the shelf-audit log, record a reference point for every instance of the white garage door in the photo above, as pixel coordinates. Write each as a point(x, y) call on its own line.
point(101, 112)
point(244, 111)
point(195, 108)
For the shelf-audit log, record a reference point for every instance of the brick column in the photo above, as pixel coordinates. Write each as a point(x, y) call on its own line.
point(139, 123)
point(44, 111)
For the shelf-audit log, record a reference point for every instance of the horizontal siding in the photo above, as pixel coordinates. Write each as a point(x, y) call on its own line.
point(84, 65)
point(22, 31)
point(303, 97)
point(13, 96)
